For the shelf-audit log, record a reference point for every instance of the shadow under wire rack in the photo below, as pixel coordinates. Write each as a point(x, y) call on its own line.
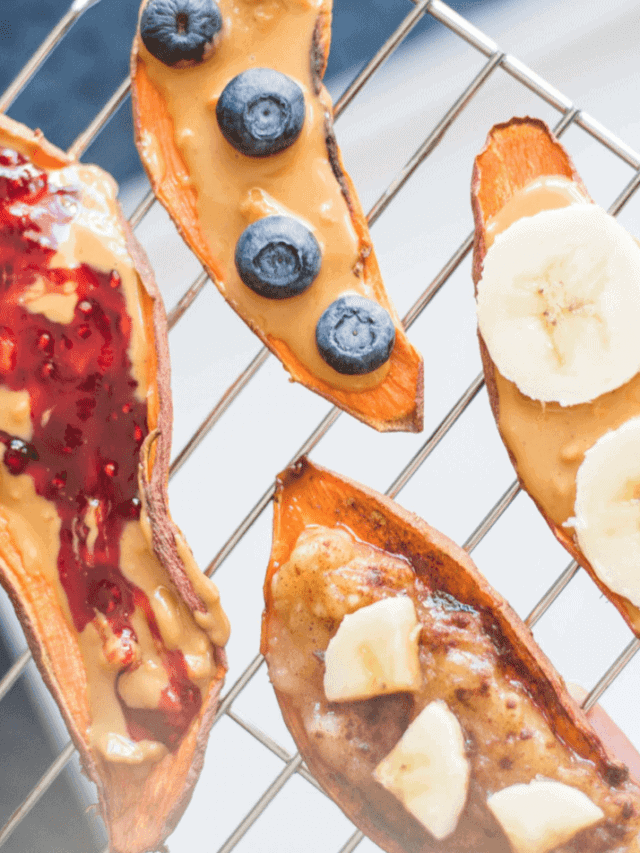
point(238, 422)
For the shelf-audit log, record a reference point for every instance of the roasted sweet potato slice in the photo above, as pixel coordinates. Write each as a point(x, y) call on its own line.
point(126, 631)
point(339, 547)
point(214, 191)
point(546, 441)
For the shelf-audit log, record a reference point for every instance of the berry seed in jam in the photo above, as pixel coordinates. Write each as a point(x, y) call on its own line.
point(106, 596)
point(59, 481)
point(18, 455)
point(47, 370)
point(45, 343)
point(88, 425)
point(130, 509)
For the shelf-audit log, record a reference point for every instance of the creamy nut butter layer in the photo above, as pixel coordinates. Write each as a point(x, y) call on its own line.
point(238, 133)
point(454, 732)
point(126, 631)
point(579, 301)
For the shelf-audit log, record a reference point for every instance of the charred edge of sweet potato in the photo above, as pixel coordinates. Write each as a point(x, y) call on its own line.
point(319, 57)
point(307, 494)
point(136, 828)
point(131, 825)
point(406, 375)
point(515, 153)
point(397, 403)
point(320, 46)
point(160, 421)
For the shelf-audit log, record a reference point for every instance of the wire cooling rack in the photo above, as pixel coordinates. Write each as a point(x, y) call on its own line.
point(219, 493)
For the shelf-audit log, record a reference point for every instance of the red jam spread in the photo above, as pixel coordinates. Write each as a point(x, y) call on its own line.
point(88, 425)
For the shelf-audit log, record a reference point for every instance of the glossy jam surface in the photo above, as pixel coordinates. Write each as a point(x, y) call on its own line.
point(87, 425)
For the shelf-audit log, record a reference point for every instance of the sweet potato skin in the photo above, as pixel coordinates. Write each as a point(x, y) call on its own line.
point(308, 495)
point(516, 153)
point(140, 805)
point(396, 404)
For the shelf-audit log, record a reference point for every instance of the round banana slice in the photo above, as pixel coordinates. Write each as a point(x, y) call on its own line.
point(607, 509)
point(559, 304)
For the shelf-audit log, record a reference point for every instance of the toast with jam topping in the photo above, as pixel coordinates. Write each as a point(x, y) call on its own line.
point(234, 129)
point(127, 632)
point(416, 696)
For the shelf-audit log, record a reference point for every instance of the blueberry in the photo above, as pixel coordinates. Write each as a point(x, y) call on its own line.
point(179, 31)
point(261, 112)
point(355, 335)
point(277, 257)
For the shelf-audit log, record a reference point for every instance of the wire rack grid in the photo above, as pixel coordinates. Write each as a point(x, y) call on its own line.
point(240, 493)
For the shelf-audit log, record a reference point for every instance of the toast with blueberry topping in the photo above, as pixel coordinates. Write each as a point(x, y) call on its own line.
point(234, 128)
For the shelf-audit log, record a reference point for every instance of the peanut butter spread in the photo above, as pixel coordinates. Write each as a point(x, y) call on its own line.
point(546, 193)
point(507, 732)
point(147, 658)
point(233, 190)
point(548, 441)
point(15, 413)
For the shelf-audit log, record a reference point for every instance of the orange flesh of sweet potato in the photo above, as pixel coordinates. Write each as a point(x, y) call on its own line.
point(475, 653)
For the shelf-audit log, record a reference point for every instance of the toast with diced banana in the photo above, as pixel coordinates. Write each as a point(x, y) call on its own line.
point(416, 696)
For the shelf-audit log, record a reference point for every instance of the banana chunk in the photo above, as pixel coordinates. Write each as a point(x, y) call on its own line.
point(607, 509)
point(542, 815)
point(559, 304)
point(374, 652)
point(428, 770)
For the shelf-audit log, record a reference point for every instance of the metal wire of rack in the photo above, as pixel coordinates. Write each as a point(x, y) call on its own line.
point(569, 115)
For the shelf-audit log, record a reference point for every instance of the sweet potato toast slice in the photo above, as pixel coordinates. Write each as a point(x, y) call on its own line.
point(546, 441)
point(127, 633)
point(213, 192)
point(339, 547)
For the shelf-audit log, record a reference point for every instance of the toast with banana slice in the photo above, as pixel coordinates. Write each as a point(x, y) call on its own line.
point(558, 300)
point(234, 128)
point(416, 696)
